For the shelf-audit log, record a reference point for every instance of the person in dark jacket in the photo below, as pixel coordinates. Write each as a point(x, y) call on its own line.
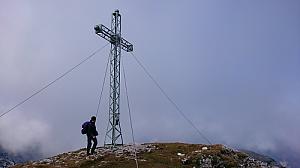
point(91, 136)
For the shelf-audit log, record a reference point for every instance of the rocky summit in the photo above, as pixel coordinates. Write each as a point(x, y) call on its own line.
point(155, 155)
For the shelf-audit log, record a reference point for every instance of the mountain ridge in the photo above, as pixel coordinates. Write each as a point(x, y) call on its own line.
point(156, 155)
point(8, 159)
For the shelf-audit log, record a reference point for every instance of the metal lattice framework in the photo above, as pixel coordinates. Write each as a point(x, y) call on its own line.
point(113, 135)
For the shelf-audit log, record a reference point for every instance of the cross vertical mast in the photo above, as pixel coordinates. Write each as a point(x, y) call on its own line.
point(113, 135)
point(114, 101)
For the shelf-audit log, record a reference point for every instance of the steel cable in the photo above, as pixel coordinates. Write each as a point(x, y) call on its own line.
point(130, 118)
point(54, 81)
point(170, 100)
point(103, 83)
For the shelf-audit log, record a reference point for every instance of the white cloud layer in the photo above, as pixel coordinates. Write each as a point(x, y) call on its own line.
point(20, 133)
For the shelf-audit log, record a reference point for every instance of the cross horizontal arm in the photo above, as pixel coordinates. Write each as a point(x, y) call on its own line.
point(108, 35)
point(125, 45)
point(104, 32)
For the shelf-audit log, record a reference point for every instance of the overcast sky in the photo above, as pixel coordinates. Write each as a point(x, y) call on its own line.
point(232, 66)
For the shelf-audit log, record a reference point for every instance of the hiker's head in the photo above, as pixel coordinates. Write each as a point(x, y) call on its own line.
point(93, 119)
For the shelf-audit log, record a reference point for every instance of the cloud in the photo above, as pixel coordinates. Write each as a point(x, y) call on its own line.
point(21, 133)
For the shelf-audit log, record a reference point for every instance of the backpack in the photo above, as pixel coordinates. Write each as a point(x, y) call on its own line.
point(85, 126)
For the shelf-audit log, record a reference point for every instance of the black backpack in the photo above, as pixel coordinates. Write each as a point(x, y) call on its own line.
point(85, 127)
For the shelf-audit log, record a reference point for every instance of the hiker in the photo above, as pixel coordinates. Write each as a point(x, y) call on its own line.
point(89, 128)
